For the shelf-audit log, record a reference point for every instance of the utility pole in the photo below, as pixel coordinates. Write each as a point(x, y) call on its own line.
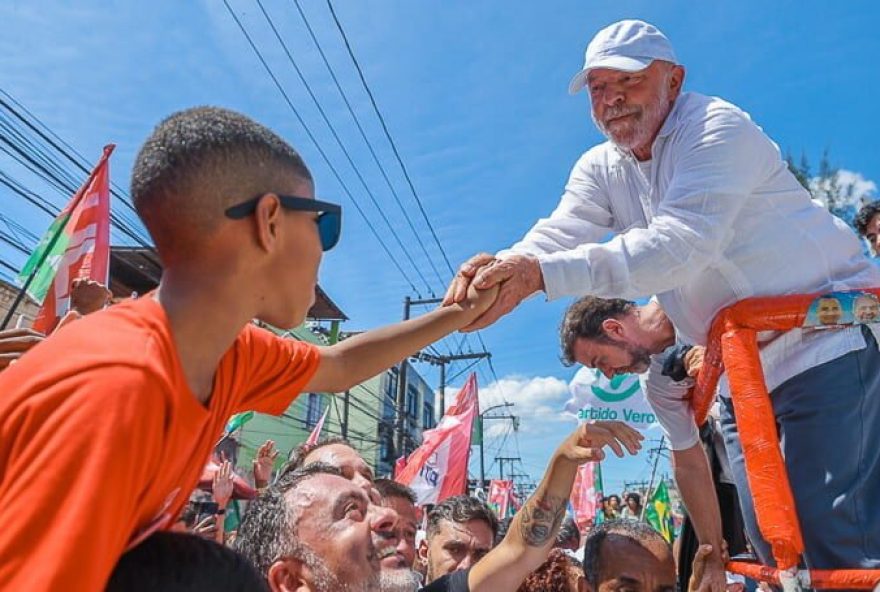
point(401, 390)
point(345, 404)
point(441, 361)
point(501, 460)
point(658, 451)
point(482, 417)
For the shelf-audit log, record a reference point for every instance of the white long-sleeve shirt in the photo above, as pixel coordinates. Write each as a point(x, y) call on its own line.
point(717, 219)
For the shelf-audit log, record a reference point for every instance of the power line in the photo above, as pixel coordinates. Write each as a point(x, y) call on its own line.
point(317, 145)
point(388, 135)
point(366, 140)
point(341, 145)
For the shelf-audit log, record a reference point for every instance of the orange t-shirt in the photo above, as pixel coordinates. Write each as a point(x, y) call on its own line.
point(102, 441)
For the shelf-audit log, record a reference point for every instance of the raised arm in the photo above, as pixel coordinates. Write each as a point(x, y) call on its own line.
point(352, 361)
point(533, 531)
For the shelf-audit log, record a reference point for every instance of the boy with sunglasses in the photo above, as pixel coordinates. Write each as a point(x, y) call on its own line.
point(105, 427)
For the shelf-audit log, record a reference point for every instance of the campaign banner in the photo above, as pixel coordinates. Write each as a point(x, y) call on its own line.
point(594, 396)
point(437, 469)
point(500, 497)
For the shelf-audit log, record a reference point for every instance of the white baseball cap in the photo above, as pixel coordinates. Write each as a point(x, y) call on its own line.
point(628, 45)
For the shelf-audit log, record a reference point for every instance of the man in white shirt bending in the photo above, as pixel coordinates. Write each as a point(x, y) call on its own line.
point(705, 213)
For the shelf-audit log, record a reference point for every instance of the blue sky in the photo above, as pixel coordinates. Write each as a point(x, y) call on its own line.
point(475, 97)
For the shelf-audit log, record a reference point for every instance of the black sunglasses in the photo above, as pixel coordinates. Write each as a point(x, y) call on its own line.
point(329, 220)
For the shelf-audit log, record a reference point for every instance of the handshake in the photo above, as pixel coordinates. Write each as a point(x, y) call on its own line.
point(489, 288)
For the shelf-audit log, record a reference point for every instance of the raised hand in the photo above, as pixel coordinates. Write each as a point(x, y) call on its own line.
point(693, 360)
point(586, 443)
point(223, 485)
point(458, 289)
point(88, 296)
point(517, 277)
point(708, 573)
point(264, 462)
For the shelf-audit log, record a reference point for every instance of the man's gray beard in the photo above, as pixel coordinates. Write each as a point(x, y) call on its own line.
point(652, 116)
point(325, 580)
point(399, 580)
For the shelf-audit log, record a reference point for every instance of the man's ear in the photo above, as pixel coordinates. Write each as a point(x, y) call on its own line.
point(288, 575)
point(613, 329)
point(676, 81)
point(422, 552)
point(268, 221)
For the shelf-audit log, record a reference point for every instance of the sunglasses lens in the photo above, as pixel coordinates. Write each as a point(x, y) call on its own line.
point(329, 229)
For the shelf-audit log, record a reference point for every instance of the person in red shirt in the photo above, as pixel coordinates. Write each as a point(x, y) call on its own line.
point(105, 427)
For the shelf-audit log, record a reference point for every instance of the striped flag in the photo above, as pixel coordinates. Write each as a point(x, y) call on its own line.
point(586, 495)
point(77, 245)
point(316, 432)
point(438, 468)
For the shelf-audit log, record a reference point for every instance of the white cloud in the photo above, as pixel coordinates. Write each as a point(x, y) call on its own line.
point(854, 187)
point(538, 402)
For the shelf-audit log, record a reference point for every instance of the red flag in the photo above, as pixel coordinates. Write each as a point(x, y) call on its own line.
point(86, 232)
point(438, 468)
point(585, 496)
point(399, 465)
point(500, 497)
point(316, 432)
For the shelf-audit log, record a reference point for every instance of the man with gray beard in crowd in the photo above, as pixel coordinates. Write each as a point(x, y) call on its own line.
point(316, 530)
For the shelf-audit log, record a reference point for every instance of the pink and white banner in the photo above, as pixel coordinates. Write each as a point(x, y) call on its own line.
point(316, 432)
point(500, 497)
point(586, 494)
point(438, 468)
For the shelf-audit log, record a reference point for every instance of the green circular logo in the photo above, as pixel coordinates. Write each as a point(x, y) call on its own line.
point(619, 388)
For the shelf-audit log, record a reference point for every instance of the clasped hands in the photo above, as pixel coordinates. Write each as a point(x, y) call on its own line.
point(516, 277)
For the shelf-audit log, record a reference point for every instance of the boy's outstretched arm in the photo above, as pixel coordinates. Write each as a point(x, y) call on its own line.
point(363, 356)
point(533, 531)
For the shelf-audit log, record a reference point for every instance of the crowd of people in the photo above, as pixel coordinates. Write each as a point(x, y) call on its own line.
point(106, 424)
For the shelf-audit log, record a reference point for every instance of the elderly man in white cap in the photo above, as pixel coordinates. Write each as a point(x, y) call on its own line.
point(705, 213)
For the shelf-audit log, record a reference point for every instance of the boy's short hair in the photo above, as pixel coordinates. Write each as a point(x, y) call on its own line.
point(183, 562)
point(197, 163)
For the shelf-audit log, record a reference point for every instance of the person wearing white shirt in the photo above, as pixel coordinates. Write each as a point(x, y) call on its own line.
point(704, 213)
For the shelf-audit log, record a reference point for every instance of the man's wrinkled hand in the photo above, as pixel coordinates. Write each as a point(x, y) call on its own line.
point(88, 296)
point(14, 343)
point(223, 484)
point(586, 443)
point(458, 289)
point(693, 360)
point(518, 277)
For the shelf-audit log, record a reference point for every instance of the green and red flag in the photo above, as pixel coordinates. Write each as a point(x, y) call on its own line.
point(77, 245)
point(658, 512)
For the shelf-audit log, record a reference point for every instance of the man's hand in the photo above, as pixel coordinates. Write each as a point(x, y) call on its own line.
point(693, 360)
point(222, 487)
point(88, 296)
point(708, 573)
point(14, 343)
point(458, 289)
point(518, 276)
point(207, 528)
point(264, 462)
point(585, 444)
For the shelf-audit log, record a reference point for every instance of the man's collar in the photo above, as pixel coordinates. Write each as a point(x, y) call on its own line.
point(672, 119)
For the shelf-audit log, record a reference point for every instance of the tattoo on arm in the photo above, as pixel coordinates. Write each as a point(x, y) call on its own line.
point(541, 517)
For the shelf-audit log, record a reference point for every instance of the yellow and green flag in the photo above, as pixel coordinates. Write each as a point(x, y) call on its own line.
point(658, 512)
